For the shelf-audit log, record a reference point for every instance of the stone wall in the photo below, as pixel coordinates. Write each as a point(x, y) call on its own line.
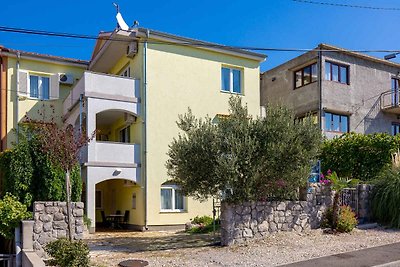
point(364, 212)
point(257, 219)
point(50, 223)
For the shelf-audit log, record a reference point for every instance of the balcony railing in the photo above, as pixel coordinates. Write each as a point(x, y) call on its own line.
point(111, 154)
point(390, 101)
point(103, 86)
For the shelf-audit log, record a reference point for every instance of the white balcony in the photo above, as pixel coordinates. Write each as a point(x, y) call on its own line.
point(111, 154)
point(102, 86)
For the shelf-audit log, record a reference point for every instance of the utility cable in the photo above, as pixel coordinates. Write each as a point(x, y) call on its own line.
point(347, 5)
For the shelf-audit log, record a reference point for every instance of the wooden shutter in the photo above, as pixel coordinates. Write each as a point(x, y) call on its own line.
point(54, 86)
point(23, 82)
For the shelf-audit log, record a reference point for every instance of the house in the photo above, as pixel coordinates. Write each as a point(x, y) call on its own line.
point(136, 84)
point(31, 85)
point(345, 91)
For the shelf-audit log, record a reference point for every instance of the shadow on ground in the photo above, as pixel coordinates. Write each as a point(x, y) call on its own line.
point(149, 241)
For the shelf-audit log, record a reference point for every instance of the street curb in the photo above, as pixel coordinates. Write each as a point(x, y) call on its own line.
point(389, 264)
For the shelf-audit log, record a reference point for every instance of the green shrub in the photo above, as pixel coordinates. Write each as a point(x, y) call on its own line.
point(346, 219)
point(386, 198)
point(67, 253)
point(12, 212)
point(360, 156)
point(202, 220)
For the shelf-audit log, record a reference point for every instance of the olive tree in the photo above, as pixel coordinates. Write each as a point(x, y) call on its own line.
point(247, 158)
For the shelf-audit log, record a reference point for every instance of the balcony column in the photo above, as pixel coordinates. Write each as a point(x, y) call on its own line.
point(91, 200)
point(91, 119)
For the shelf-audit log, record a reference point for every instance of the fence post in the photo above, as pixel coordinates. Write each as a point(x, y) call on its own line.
point(18, 247)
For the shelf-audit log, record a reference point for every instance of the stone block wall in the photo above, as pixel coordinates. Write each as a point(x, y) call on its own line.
point(50, 223)
point(250, 220)
point(364, 213)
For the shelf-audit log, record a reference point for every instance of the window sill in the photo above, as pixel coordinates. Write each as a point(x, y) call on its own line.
point(335, 132)
point(173, 211)
point(229, 92)
point(295, 88)
point(337, 82)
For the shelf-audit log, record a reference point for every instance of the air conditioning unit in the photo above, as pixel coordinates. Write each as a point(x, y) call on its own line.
point(66, 78)
point(132, 49)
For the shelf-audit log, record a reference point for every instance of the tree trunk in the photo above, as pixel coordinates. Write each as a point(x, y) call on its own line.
point(69, 211)
point(335, 210)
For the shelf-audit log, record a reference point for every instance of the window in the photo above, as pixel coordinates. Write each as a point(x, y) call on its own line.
point(39, 87)
point(305, 75)
point(395, 128)
point(231, 80)
point(125, 135)
point(395, 91)
point(99, 199)
point(134, 201)
point(336, 123)
point(337, 73)
point(172, 198)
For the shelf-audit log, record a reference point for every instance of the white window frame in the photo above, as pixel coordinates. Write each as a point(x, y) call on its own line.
point(173, 188)
point(231, 69)
point(40, 86)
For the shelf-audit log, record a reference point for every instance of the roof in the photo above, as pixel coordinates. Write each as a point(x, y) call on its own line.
point(175, 39)
point(327, 47)
point(14, 52)
point(198, 43)
point(323, 46)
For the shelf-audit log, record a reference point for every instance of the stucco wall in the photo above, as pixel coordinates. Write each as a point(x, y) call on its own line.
point(34, 108)
point(360, 98)
point(178, 78)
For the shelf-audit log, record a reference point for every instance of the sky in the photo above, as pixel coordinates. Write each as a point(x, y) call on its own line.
point(265, 23)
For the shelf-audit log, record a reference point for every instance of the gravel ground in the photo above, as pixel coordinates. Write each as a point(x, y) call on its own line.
point(180, 249)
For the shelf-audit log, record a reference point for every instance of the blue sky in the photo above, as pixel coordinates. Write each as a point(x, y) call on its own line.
point(266, 23)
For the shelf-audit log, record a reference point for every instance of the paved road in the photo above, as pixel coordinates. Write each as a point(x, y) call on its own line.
point(361, 258)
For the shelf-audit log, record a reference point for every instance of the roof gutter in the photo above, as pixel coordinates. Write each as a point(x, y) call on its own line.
point(45, 59)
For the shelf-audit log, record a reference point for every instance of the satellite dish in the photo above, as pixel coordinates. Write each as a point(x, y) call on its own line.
point(120, 20)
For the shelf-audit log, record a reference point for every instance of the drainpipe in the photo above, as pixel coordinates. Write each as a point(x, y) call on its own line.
point(17, 97)
point(320, 87)
point(144, 103)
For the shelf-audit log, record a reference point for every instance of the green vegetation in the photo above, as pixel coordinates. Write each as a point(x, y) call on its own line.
point(203, 224)
point(12, 212)
point(246, 158)
point(29, 174)
point(346, 219)
point(66, 253)
point(359, 156)
point(386, 198)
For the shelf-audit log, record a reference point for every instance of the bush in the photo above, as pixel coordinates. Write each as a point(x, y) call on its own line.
point(202, 220)
point(386, 198)
point(12, 212)
point(67, 253)
point(346, 219)
point(359, 156)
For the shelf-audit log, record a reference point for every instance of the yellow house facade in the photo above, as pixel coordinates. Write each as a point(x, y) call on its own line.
point(129, 98)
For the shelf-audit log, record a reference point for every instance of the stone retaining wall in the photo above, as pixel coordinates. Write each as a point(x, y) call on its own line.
point(50, 223)
point(257, 219)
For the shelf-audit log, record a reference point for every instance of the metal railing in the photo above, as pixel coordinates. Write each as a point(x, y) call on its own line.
point(349, 197)
point(390, 99)
point(7, 260)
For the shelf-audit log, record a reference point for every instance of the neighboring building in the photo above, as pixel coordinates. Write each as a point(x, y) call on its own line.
point(137, 83)
point(344, 90)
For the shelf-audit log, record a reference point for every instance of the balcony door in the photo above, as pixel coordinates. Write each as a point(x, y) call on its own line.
point(395, 91)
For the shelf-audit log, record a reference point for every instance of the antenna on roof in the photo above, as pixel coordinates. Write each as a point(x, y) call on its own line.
point(121, 24)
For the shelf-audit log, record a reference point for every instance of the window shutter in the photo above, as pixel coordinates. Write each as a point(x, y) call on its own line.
point(54, 86)
point(23, 82)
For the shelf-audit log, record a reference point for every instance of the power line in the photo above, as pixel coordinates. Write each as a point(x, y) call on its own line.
point(347, 5)
point(188, 43)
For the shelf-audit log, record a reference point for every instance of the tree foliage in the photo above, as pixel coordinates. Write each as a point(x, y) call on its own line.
point(30, 175)
point(359, 156)
point(251, 158)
